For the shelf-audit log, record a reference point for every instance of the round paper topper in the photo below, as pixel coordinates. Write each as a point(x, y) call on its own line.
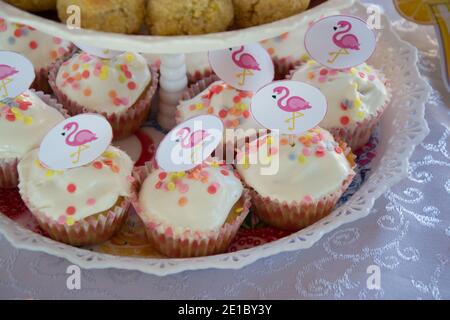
point(76, 142)
point(340, 41)
point(292, 107)
point(16, 74)
point(245, 68)
point(99, 52)
point(189, 144)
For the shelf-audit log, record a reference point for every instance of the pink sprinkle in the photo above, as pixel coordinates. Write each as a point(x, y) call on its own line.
point(57, 40)
point(62, 220)
point(91, 202)
point(322, 79)
point(371, 77)
point(333, 72)
point(61, 51)
point(308, 199)
point(96, 72)
point(125, 101)
point(183, 188)
point(315, 139)
point(306, 152)
point(362, 75)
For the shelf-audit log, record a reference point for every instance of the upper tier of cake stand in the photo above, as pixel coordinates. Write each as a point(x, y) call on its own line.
point(173, 44)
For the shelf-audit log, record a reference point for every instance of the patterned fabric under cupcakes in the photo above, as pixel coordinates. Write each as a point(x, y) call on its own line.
point(192, 213)
point(78, 206)
point(24, 121)
point(295, 180)
point(41, 49)
point(357, 98)
point(120, 89)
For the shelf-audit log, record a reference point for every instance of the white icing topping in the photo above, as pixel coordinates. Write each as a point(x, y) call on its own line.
point(230, 105)
point(352, 94)
point(23, 124)
point(41, 49)
point(74, 194)
point(111, 86)
point(191, 203)
point(309, 170)
point(291, 45)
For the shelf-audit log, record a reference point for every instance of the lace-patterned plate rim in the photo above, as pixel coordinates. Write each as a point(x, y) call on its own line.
point(403, 128)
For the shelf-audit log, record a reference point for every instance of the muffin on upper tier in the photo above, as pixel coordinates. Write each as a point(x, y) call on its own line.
point(250, 13)
point(174, 17)
point(34, 5)
point(118, 16)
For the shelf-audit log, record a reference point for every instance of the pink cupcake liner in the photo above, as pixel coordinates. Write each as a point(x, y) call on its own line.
point(9, 177)
point(123, 124)
point(95, 229)
point(188, 243)
point(300, 214)
point(199, 75)
point(358, 134)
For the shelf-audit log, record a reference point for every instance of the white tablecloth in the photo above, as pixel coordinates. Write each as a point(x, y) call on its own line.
point(406, 236)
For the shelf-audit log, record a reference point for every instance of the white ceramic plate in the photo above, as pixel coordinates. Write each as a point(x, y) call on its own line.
point(403, 127)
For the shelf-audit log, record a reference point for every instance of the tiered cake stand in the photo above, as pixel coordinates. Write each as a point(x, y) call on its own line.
point(402, 127)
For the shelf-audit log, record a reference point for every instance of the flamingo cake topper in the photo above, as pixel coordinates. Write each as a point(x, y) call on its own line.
point(75, 142)
point(343, 40)
point(16, 74)
point(293, 104)
point(291, 107)
point(245, 68)
point(340, 41)
point(189, 144)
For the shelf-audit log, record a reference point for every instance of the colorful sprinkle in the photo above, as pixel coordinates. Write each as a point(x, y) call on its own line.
point(71, 188)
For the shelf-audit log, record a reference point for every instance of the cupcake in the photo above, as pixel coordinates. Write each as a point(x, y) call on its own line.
point(174, 17)
point(41, 49)
point(24, 121)
point(197, 65)
point(115, 16)
point(78, 206)
point(193, 213)
point(356, 99)
point(217, 98)
point(297, 181)
point(34, 5)
point(288, 50)
point(254, 13)
point(120, 88)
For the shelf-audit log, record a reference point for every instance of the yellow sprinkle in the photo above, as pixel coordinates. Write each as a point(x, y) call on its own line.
point(239, 210)
point(360, 114)
point(84, 66)
point(103, 76)
point(15, 111)
point(122, 78)
point(109, 155)
point(28, 120)
point(171, 186)
point(49, 173)
point(368, 69)
point(242, 106)
point(357, 103)
point(304, 57)
point(311, 62)
point(355, 85)
point(269, 140)
point(70, 221)
point(353, 71)
point(129, 57)
point(199, 106)
point(214, 164)
point(181, 174)
point(301, 158)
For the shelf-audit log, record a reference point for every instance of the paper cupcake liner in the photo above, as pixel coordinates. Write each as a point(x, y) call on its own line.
point(298, 215)
point(9, 177)
point(283, 66)
point(95, 229)
point(188, 243)
point(358, 134)
point(199, 75)
point(41, 82)
point(124, 124)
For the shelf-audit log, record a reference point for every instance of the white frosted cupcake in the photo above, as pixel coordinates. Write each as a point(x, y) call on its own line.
point(41, 49)
point(356, 98)
point(309, 174)
point(78, 206)
point(120, 89)
point(24, 121)
point(193, 213)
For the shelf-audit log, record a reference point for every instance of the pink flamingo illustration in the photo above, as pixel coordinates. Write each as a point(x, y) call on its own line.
point(245, 61)
point(78, 139)
point(192, 140)
point(5, 73)
point(343, 40)
point(293, 105)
